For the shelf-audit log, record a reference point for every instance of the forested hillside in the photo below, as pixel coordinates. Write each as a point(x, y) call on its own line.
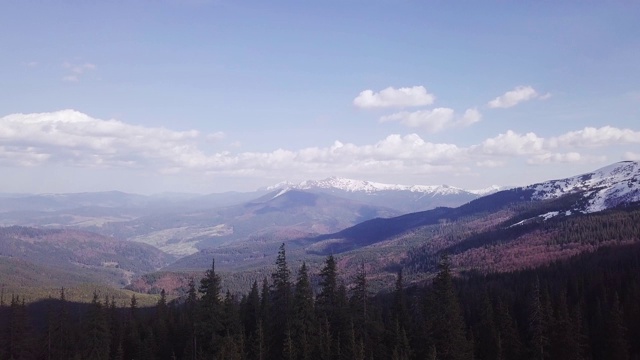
point(583, 308)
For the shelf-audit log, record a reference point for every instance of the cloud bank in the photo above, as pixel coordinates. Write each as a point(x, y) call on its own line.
point(75, 139)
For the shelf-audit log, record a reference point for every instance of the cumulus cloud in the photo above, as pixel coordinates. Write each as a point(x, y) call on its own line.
point(471, 116)
point(76, 71)
point(392, 97)
point(75, 139)
point(490, 163)
point(549, 158)
point(511, 143)
point(71, 136)
point(434, 120)
point(515, 96)
point(596, 137)
point(570, 157)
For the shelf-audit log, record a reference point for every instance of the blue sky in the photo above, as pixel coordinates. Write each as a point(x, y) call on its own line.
point(208, 96)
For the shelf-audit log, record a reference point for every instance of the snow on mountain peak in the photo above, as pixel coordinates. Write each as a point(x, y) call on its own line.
point(351, 185)
point(604, 188)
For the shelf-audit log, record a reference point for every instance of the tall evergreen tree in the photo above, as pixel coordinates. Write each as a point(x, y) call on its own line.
point(209, 324)
point(304, 321)
point(486, 333)
point(400, 311)
point(617, 347)
point(19, 344)
point(251, 311)
point(536, 339)
point(326, 300)
point(448, 324)
point(59, 334)
point(96, 334)
point(281, 300)
point(510, 346)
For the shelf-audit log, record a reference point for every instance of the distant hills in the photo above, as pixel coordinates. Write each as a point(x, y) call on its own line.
point(357, 221)
point(182, 224)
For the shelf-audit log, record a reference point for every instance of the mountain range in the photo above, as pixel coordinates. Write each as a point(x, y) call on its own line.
point(496, 229)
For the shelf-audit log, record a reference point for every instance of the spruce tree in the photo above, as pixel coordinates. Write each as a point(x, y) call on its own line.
point(59, 339)
point(303, 320)
point(448, 324)
point(616, 344)
point(209, 324)
point(281, 300)
point(536, 339)
point(96, 334)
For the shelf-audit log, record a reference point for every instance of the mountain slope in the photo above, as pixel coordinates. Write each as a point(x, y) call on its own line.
point(604, 188)
point(95, 256)
point(612, 186)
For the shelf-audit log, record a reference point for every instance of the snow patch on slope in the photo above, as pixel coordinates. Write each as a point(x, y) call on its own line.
point(604, 188)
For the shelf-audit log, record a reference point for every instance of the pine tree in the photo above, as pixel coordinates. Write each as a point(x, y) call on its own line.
point(359, 303)
point(281, 300)
point(400, 312)
point(19, 344)
point(486, 333)
point(448, 324)
point(251, 311)
point(303, 319)
point(59, 339)
point(617, 347)
point(209, 322)
point(535, 324)
point(509, 339)
point(326, 300)
point(564, 342)
point(96, 334)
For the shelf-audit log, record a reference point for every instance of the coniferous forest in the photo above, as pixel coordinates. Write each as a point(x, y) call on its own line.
point(585, 307)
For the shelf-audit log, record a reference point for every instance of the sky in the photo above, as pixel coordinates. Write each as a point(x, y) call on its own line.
point(211, 96)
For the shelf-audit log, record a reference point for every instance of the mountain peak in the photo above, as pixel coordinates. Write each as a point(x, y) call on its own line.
point(352, 185)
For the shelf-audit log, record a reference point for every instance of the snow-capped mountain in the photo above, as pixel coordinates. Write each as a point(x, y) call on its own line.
point(402, 197)
point(351, 185)
point(604, 188)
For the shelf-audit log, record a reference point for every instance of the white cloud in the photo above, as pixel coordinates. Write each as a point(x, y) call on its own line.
point(471, 116)
point(76, 71)
point(75, 139)
point(391, 97)
point(216, 136)
point(71, 136)
point(549, 158)
point(490, 163)
point(511, 143)
point(434, 120)
point(590, 137)
point(515, 96)
point(570, 157)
